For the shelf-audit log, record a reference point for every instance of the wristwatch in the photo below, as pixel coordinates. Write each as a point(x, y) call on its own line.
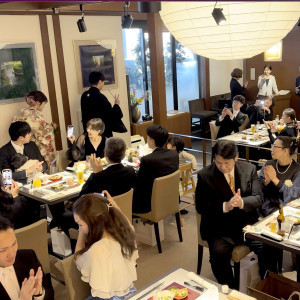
point(40, 293)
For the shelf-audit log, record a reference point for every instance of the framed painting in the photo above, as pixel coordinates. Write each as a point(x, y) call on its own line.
point(18, 71)
point(96, 56)
point(274, 53)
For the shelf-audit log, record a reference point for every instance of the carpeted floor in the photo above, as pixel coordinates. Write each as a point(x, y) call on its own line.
point(152, 265)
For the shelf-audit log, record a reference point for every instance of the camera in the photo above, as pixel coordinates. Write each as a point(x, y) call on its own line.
point(147, 118)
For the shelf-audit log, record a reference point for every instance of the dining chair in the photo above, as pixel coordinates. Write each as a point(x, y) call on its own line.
point(124, 201)
point(76, 288)
point(164, 202)
point(63, 162)
point(186, 182)
point(238, 253)
point(35, 237)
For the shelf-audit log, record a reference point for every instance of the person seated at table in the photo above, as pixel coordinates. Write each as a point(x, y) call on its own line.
point(21, 162)
point(160, 162)
point(290, 129)
point(115, 178)
point(228, 194)
point(17, 209)
point(177, 143)
point(231, 118)
point(280, 177)
point(20, 134)
point(106, 251)
point(88, 143)
point(260, 111)
point(21, 276)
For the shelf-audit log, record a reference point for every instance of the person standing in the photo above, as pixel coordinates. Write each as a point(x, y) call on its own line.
point(267, 83)
point(228, 195)
point(42, 131)
point(235, 86)
point(95, 105)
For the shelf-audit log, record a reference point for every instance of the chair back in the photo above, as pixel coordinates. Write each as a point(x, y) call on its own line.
point(124, 201)
point(63, 162)
point(187, 180)
point(198, 218)
point(214, 129)
point(77, 289)
point(196, 105)
point(243, 126)
point(165, 196)
point(35, 237)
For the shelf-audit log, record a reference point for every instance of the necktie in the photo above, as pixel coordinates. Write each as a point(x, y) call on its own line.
point(231, 183)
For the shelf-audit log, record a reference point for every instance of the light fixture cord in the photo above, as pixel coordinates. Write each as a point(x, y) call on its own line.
point(215, 4)
point(81, 9)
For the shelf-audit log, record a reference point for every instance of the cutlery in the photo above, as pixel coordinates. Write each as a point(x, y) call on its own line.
point(194, 286)
point(154, 288)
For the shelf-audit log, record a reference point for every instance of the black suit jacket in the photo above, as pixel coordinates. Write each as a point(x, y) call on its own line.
point(95, 105)
point(26, 260)
point(160, 162)
point(31, 150)
point(227, 125)
point(213, 190)
point(236, 88)
point(116, 179)
point(257, 114)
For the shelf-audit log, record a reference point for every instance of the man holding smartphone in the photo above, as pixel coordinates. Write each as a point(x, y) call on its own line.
point(20, 134)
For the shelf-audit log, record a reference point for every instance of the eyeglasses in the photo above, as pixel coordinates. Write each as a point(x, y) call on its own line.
point(274, 146)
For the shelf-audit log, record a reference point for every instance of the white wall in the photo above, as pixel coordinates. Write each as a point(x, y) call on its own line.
point(22, 29)
point(219, 72)
point(98, 28)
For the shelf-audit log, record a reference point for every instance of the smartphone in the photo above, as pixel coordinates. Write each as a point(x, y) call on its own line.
point(70, 130)
point(262, 102)
point(225, 105)
point(102, 194)
point(7, 177)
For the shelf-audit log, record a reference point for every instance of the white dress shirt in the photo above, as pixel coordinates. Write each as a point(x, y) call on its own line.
point(19, 149)
point(227, 179)
point(9, 280)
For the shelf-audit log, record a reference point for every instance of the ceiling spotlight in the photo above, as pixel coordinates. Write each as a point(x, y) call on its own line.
point(127, 18)
point(218, 15)
point(80, 23)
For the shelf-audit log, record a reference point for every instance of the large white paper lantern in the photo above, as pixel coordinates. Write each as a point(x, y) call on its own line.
point(250, 28)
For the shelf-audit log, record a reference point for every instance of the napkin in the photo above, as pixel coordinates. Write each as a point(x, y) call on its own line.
point(144, 150)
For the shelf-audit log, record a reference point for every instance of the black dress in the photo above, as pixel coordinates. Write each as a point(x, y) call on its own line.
point(236, 88)
point(289, 130)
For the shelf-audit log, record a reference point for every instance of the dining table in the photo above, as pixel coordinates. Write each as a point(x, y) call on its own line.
point(290, 242)
point(197, 287)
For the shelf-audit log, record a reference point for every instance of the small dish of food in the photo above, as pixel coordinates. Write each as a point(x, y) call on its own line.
point(55, 177)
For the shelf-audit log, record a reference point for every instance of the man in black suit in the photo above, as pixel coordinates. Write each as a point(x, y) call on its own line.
point(20, 134)
point(17, 265)
point(95, 105)
point(231, 119)
point(160, 162)
point(116, 178)
point(228, 194)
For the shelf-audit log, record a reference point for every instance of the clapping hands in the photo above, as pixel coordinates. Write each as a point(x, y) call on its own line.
point(235, 201)
point(32, 285)
point(96, 163)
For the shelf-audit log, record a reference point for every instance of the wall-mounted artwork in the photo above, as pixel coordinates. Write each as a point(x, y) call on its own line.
point(18, 71)
point(274, 53)
point(96, 56)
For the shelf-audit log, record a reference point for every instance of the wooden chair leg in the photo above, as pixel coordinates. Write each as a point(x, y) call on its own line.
point(237, 275)
point(177, 216)
point(157, 237)
point(200, 257)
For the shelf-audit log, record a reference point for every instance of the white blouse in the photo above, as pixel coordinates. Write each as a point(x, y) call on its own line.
point(106, 270)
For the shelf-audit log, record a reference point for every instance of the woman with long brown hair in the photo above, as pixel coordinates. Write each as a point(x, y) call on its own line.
point(106, 250)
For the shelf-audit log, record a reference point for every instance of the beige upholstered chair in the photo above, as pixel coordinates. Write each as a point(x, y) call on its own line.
point(243, 126)
point(124, 201)
point(164, 202)
point(35, 237)
point(238, 253)
point(77, 289)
